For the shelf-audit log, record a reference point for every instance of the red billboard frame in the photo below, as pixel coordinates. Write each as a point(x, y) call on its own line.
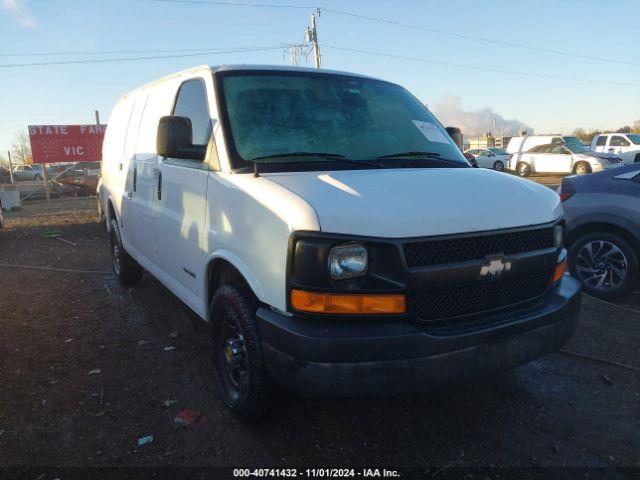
point(66, 143)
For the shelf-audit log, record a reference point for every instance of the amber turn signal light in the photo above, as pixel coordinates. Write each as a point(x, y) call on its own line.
point(560, 268)
point(348, 304)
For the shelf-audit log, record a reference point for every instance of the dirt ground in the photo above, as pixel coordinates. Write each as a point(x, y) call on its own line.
point(85, 373)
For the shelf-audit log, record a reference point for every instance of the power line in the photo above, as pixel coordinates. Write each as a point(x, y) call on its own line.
point(110, 52)
point(412, 27)
point(238, 4)
point(481, 68)
point(480, 39)
point(131, 59)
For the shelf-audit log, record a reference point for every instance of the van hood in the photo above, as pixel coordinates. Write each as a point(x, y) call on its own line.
point(420, 202)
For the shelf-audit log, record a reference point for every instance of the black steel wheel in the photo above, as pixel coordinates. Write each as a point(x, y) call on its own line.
point(242, 377)
point(605, 264)
point(582, 168)
point(523, 169)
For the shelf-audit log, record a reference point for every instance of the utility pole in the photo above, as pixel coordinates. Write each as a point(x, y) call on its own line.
point(97, 117)
point(312, 36)
point(10, 166)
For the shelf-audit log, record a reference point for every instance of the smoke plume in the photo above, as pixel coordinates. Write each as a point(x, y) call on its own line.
point(474, 123)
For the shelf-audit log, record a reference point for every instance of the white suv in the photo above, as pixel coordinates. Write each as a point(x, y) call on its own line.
point(625, 145)
point(331, 233)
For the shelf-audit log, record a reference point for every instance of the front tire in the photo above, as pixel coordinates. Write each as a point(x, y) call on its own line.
point(605, 264)
point(242, 376)
point(128, 271)
point(523, 169)
point(498, 166)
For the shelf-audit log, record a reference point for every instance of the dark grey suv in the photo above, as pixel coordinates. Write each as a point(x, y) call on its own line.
point(603, 229)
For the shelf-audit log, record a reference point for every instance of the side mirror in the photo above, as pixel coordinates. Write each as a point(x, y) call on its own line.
point(456, 136)
point(175, 137)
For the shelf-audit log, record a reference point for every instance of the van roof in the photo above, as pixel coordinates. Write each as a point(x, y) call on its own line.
point(230, 68)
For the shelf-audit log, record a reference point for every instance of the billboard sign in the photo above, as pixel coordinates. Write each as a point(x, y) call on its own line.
point(66, 143)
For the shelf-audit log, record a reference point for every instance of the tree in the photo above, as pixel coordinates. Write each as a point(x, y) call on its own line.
point(21, 149)
point(585, 136)
point(625, 129)
point(635, 128)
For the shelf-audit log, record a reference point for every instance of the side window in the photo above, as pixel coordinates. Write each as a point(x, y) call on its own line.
point(559, 150)
point(618, 141)
point(557, 141)
point(192, 103)
point(602, 141)
point(539, 149)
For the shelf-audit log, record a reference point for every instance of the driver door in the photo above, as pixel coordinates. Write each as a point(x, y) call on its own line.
point(182, 198)
point(618, 144)
point(560, 159)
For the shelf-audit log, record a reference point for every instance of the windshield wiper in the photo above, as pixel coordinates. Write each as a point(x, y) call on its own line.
point(297, 154)
point(411, 153)
point(333, 157)
point(430, 155)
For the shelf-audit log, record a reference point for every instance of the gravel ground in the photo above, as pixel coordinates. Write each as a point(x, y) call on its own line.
point(58, 327)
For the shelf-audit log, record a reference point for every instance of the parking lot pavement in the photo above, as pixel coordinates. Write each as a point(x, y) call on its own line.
point(85, 374)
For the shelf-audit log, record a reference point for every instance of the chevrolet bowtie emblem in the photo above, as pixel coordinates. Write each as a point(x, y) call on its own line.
point(495, 267)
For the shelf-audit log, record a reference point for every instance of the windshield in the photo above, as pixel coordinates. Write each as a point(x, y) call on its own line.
point(575, 145)
point(635, 138)
point(498, 151)
point(274, 114)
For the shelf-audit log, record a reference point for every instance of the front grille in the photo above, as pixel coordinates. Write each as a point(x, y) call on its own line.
point(440, 304)
point(455, 250)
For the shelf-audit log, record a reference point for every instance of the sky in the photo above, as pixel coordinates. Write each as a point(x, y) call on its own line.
point(459, 77)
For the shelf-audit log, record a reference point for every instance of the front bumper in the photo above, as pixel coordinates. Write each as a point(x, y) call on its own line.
point(387, 356)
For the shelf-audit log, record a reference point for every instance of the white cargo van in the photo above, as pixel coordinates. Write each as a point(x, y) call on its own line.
point(331, 233)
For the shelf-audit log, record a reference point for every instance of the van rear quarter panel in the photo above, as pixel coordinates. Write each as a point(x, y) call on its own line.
point(113, 168)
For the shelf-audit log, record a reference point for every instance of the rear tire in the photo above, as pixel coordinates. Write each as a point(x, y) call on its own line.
point(523, 169)
point(637, 158)
point(582, 168)
point(604, 263)
point(128, 271)
point(243, 381)
point(498, 166)
point(99, 206)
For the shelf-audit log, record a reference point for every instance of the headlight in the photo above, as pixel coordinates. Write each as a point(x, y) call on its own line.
point(348, 261)
point(558, 235)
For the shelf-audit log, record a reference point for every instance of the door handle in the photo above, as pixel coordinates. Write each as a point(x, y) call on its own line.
point(160, 185)
point(135, 178)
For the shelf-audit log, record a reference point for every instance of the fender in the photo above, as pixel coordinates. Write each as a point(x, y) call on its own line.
point(239, 265)
point(616, 220)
